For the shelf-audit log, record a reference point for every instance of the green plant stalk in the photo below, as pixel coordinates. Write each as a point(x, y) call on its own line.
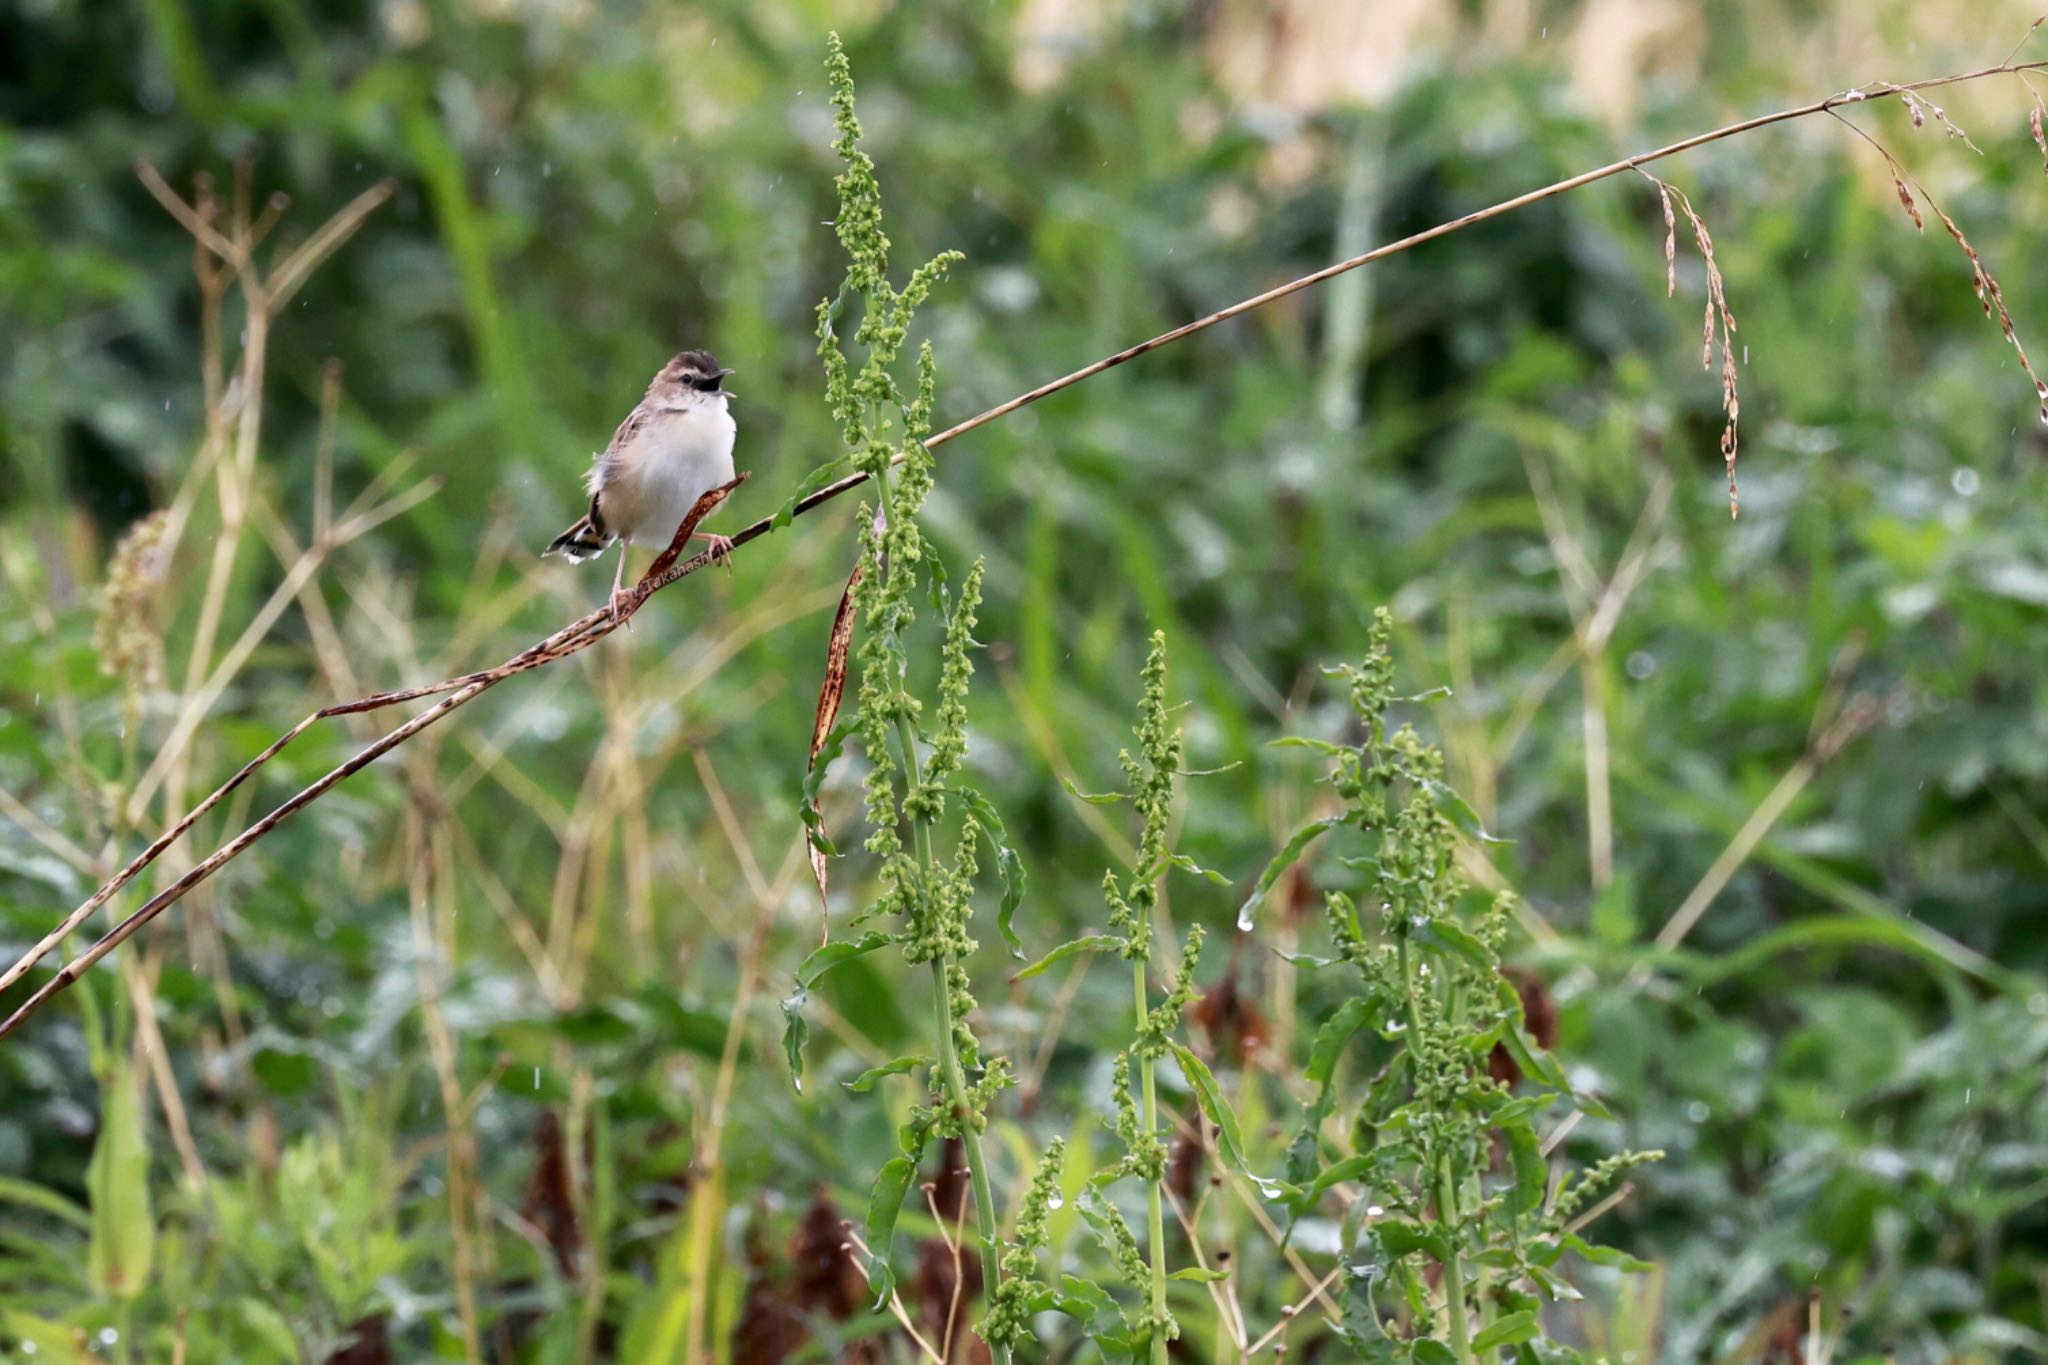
point(1155, 1211)
point(949, 1056)
point(1446, 1188)
point(942, 1011)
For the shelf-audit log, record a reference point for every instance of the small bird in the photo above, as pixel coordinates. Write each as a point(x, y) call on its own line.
point(671, 450)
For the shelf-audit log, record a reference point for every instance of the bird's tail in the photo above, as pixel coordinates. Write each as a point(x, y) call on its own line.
point(585, 540)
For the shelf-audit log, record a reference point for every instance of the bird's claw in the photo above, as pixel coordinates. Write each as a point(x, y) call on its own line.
point(721, 549)
point(622, 600)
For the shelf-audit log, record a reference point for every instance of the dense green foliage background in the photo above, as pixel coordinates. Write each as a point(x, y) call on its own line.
point(1844, 1058)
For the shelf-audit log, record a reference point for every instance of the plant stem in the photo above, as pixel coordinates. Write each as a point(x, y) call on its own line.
point(1454, 1264)
point(1445, 1182)
point(950, 1072)
point(970, 1140)
point(949, 1055)
point(1155, 1246)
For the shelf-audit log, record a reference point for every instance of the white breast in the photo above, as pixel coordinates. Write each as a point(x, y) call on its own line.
point(646, 487)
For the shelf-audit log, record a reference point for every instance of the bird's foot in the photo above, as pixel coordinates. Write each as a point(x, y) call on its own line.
point(721, 548)
point(621, 605)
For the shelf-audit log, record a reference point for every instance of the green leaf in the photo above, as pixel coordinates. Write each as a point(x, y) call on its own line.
point(1428, 1352)
point(43, 1200)
point(827, 956)
point(1008, 865)
point(1532, 1172)
point(1091, 943)
point(886, 1201)
point(796, 1030)
point(1309, 960)
point(1084, 1301)
point(1603, 1255)
point(1453, 940)
point(1350, 1168)
point(1208, 874)
point(873, 1076)
point(1210, 1095)
point(1199, 1274)
point(1092, 798)
point(1511, 1330)
point(812, 482)
point(1459, 810)
point(1400, 1236)
point(1321, 746)
point(1289, 854)
point(1331, 1038)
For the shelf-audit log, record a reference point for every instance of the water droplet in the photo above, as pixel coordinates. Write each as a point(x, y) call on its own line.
point(1373, 1211)
point(1641, 664)
point(108, 1336)
point(1965, 482)
point(536, 1078)
point(1056, 1202)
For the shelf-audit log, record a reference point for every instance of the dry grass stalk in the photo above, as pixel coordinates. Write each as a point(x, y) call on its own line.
point(1719, 322)
point(236, 253)
point(1993, 300)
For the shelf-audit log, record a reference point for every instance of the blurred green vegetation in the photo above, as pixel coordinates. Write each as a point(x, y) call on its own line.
point(445, 1066)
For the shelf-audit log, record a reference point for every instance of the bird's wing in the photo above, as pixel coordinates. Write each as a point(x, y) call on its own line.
point(622, 439)
point(628, 429)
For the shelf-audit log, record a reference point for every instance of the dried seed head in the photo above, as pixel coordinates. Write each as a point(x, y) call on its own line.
point(126, 638)
point(2034, 119)
point(1671, 229)
point(1993, 300)
point(1912, 209)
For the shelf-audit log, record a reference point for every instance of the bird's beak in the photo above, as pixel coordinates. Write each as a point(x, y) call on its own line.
point(721, 388)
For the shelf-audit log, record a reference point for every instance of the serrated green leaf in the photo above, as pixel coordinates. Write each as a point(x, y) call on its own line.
point(1603, 1255)
point(1229, 1145)
point(1402, 1236)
